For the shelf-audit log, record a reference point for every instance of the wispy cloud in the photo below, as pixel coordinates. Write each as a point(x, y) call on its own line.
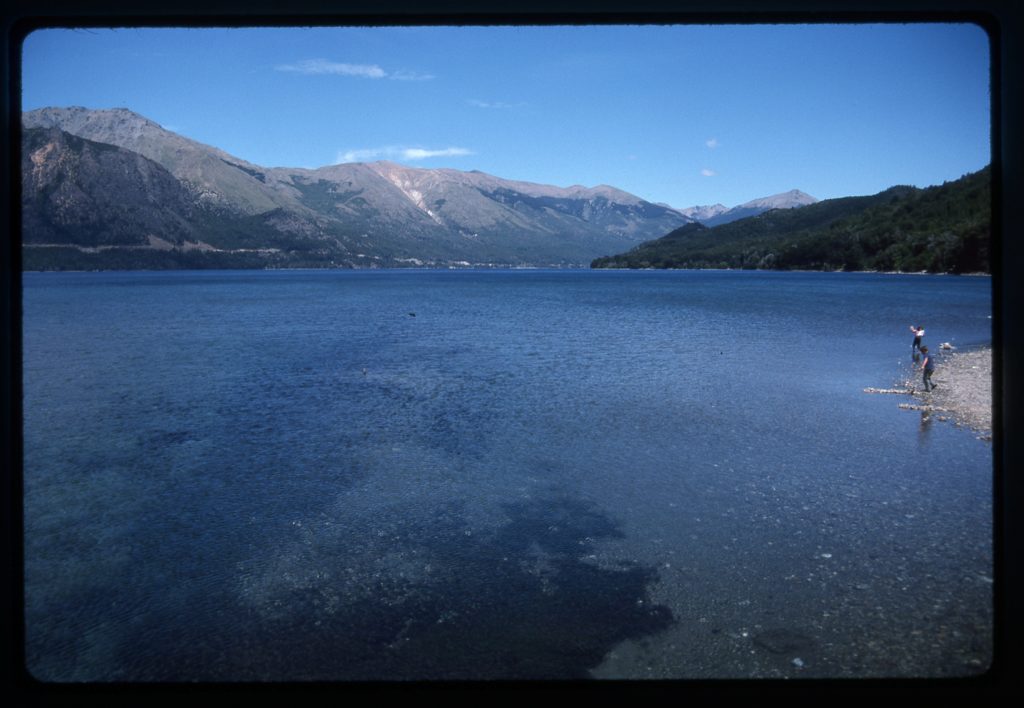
point(708, 173)
point(322, 66)
point(421, 154)
point(492, 104)
point(712, 143)
point(365, 71)
point(399, 153)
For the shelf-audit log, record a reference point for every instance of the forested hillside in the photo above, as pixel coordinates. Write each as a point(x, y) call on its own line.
point(941, 229)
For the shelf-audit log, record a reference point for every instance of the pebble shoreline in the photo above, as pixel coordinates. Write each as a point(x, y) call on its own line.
point(963, 390)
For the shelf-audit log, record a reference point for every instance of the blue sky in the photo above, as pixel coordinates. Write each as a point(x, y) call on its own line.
point(683, 115)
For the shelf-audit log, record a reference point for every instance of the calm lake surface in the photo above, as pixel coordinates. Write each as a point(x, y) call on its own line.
point(309, 475)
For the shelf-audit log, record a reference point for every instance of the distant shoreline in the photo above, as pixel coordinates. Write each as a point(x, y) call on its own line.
point(801, 270)
point(509, 267)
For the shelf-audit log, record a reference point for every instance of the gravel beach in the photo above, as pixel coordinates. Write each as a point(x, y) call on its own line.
point(963, 392)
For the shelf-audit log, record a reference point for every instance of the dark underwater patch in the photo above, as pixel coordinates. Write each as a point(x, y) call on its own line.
point(519, 602)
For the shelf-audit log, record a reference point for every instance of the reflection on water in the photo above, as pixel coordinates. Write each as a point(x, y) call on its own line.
point(925, 428)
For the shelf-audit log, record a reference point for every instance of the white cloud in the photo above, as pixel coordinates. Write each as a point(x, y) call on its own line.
point(399, 153)
point(421, 154)
point(322, 66)
point(359, 155)
point(365, 71)
point(708, 173)
point(712, 143)
point(491, 104)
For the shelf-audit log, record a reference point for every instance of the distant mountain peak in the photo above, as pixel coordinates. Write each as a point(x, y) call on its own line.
point(73, 114)
point(718, 214)
point(784, 200)
point(700, 213)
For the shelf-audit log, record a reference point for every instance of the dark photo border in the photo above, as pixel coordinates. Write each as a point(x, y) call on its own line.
point(1002, 21)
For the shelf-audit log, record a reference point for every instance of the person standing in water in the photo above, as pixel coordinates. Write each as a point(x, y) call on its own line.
point(918, 333)
point(928, 365)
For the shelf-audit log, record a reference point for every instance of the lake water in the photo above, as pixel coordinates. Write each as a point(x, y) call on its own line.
point(311, 475)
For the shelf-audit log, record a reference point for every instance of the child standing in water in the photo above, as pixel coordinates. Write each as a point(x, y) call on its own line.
point(929, 367)
point(918, 333)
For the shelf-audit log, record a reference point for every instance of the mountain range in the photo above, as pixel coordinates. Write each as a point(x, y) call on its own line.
point(113, 189)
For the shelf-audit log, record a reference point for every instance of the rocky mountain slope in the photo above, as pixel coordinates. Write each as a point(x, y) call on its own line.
point(94, 195)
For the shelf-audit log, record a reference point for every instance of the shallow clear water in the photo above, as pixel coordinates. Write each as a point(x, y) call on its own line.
point(497, 474)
